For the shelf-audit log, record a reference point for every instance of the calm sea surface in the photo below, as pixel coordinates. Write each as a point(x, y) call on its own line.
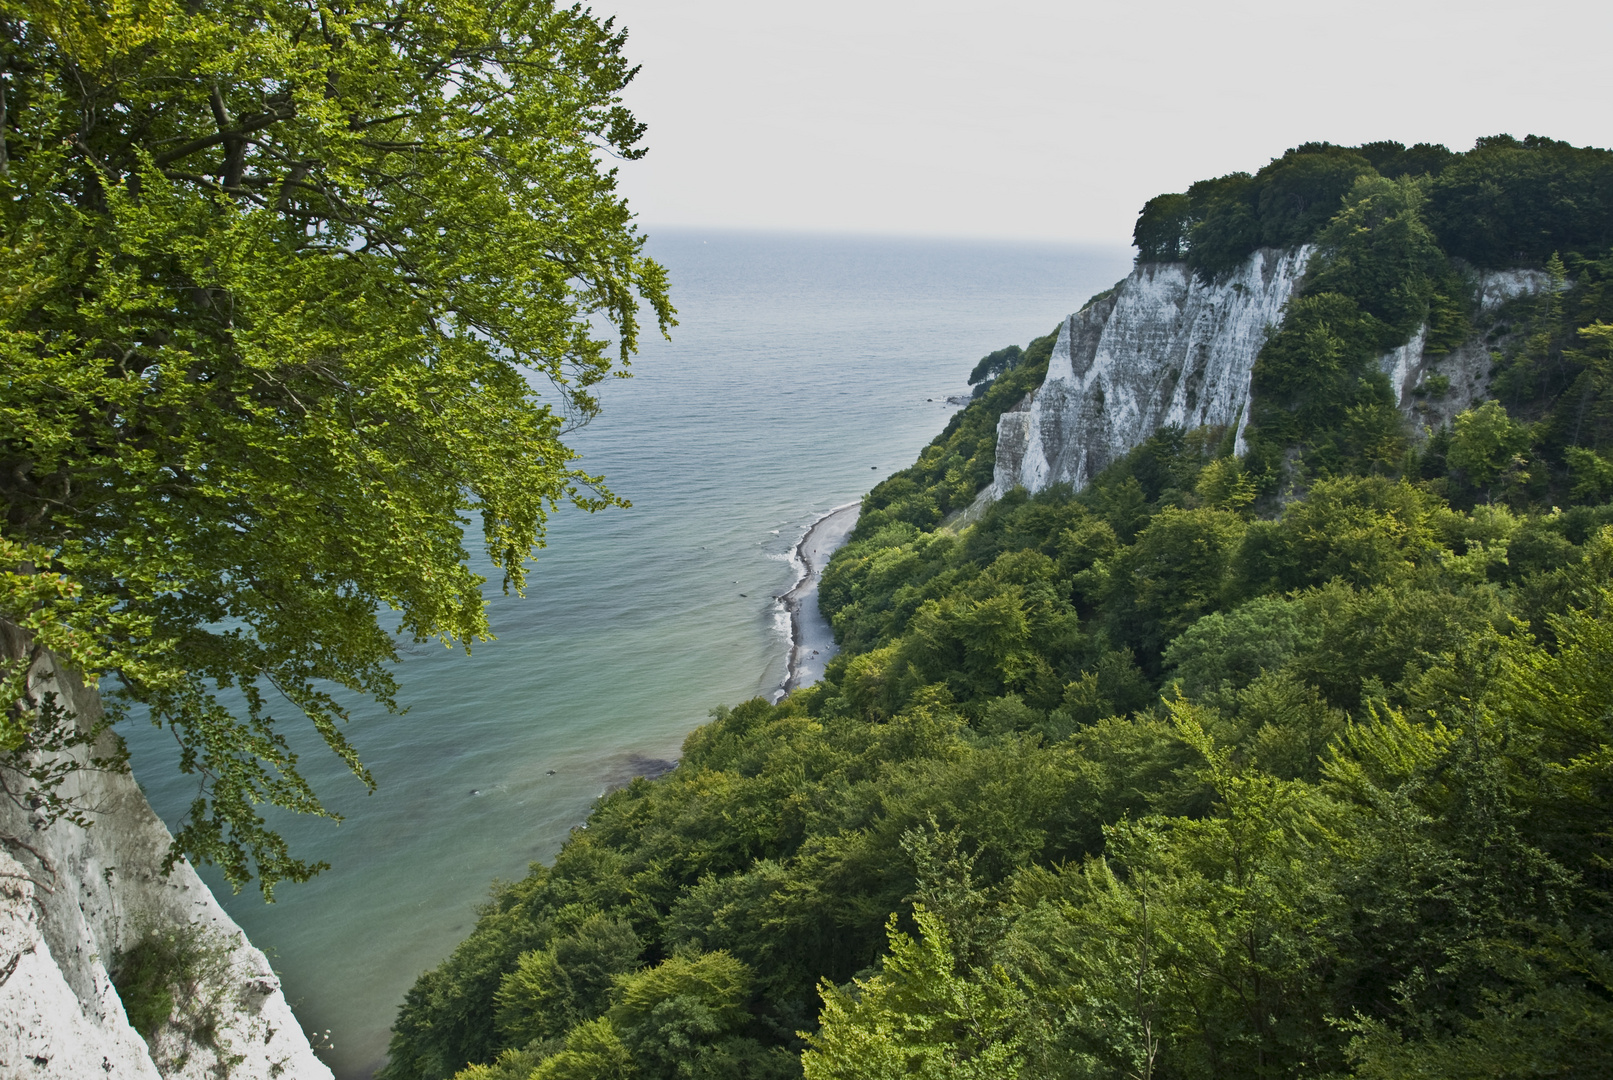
point(804, 369)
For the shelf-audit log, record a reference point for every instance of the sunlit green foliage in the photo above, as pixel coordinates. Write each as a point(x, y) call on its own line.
point(918, 1017)
point(1293, 868)
point(289, 296)
point(554, 988)
point(1378, 251)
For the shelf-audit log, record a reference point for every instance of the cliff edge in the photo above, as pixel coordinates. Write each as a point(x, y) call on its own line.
point(1164, 348)
point(73, 900)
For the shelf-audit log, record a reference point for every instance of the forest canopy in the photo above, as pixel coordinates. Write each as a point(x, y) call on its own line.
point(1506, 202)
point(293, 294)
point(1293, 763)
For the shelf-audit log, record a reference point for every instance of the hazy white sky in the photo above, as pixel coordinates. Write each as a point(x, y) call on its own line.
point(1033, 119)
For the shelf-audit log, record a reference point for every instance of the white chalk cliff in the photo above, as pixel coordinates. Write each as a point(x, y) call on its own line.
point(73, 898)
point(1468, 365)
point(1163, 348)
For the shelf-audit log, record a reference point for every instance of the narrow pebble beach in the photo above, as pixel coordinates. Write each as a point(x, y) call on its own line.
point(803, 370)
point(811, 643)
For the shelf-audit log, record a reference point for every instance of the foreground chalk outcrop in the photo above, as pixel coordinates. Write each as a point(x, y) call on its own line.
point(1163, 348)
point(73, 899)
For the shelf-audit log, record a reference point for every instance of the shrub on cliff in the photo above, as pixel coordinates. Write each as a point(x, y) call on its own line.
point(961, 460)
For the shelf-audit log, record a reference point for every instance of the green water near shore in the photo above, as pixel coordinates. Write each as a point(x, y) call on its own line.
point(804, 369)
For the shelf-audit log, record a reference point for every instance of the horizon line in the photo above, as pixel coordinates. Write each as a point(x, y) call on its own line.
point(649, 229)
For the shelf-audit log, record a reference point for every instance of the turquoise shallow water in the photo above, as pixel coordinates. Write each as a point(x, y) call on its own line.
point(804, 369)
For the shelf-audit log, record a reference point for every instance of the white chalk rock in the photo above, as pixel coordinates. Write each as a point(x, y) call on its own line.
point(44, 1031)
point(1164, 348)
point(72, 899)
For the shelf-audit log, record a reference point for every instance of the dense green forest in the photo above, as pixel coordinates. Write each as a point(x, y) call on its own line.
point(1294, 763)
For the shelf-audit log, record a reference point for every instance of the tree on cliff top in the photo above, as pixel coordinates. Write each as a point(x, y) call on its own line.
point(288, 292)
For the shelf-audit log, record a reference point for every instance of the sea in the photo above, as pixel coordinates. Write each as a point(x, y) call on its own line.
point(804, 369)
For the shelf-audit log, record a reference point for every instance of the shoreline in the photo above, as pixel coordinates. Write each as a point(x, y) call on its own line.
point(821, 539)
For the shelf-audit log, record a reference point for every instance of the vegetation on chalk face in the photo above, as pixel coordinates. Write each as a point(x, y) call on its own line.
point(145, 976)
point(1558, 373)
point(1397, 231)
point(281, 284)
point(994, 364)
point(1371, 284)
point(175, 984)
point(1378, 277)
point(1378, 251)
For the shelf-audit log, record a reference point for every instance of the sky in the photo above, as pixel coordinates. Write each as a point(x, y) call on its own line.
point(1056, 121)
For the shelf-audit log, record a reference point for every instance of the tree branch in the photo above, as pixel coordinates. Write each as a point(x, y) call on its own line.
point(241, 130)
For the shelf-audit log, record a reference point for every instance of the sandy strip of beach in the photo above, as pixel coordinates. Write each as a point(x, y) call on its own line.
point(811, 638)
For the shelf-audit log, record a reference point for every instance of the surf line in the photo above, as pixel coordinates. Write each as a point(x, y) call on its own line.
point(808, 627)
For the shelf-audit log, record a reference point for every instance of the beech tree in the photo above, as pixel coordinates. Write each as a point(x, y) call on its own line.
point(291, 294)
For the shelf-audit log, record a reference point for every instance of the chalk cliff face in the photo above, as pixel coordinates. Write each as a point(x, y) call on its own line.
point(72, 899)
point(1468, 365)
point(1162, 348)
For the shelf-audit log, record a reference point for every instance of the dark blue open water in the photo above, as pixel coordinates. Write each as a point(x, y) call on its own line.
point(804, 369)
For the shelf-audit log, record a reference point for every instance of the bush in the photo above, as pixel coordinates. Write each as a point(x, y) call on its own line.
point(1378, 252)
point(962, 459)
point(554, 988)
point(174, 982)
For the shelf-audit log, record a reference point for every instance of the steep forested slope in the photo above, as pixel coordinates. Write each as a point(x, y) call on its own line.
point(1293, 764)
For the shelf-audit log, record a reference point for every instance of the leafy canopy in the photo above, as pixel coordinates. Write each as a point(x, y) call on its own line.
point(1506, 202)
point(290, 294)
